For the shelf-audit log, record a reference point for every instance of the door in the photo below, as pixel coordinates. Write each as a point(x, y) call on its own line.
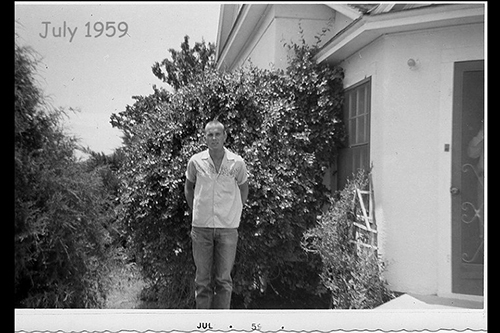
point(467, 186)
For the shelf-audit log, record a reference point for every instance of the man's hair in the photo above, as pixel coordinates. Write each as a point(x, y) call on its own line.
point(215, 123)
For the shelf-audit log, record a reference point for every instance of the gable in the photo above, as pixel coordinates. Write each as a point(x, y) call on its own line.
point(258, 31)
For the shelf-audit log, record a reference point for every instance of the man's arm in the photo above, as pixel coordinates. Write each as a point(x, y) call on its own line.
point(244, 192)
point(189, 193)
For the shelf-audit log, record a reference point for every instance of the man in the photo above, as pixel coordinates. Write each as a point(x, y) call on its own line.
point(216, 188)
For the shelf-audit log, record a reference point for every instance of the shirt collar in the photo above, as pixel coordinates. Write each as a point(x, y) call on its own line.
point(228, 155)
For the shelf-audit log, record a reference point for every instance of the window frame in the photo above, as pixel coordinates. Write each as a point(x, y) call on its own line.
point(356, 154)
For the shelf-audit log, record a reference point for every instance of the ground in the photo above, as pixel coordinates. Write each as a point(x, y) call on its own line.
point(126, 287)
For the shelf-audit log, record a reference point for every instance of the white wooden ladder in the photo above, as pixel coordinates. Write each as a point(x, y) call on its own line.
point(365, 228)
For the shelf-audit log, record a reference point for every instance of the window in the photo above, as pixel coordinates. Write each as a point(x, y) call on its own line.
point(357, 120)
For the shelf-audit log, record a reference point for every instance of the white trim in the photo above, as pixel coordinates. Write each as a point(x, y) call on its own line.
point(345, 10)
point(244, 53)
point(248, 18)
point(220, 28)
point(382, 8)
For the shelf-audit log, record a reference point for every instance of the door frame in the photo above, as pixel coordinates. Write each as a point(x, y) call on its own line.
point(460, 270)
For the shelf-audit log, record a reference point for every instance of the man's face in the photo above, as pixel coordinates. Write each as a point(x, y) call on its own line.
point(215, 137)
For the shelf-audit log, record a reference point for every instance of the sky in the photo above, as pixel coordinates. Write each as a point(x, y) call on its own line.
point(98, 74)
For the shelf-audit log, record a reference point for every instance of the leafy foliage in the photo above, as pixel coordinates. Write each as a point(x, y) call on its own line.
point(354, 278)
point(186, 64)
point(61, 206)
point(287, 127)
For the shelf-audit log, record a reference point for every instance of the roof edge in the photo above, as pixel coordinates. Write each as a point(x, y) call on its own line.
point(350, 12)
point(370, 27)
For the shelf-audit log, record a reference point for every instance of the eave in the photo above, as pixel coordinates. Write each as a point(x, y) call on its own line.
point(244, 26)
point(345, 10)
point(365, 29)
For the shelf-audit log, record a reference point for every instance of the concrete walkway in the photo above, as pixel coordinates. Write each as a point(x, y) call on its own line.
point(407, 301)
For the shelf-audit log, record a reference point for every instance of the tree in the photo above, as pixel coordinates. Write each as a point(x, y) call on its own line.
point(186, 64)
point(286, 125)
point(133, 117)
point(60, 207)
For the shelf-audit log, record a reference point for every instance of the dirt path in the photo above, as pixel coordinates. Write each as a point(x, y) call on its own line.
point(127, 285)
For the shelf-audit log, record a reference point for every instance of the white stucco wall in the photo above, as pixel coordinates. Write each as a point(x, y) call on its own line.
point(411, 121)
point(281, 24)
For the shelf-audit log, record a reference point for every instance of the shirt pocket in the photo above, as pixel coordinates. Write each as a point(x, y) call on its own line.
point(227, 185)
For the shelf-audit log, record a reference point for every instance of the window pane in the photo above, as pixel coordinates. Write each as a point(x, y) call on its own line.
point(361, 129)
point(352, 132)
point(362, 100)
point(360, 158)
point(347, 107)
point(355, 160)
point(353, 104)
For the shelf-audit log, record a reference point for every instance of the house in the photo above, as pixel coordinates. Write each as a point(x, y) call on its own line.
point(414, 110)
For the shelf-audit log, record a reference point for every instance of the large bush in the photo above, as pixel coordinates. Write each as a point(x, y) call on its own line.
point(287, 127)
point(61, 206)
point(354, 276)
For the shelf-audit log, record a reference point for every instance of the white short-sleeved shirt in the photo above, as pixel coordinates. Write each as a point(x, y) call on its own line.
point(217, 199)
